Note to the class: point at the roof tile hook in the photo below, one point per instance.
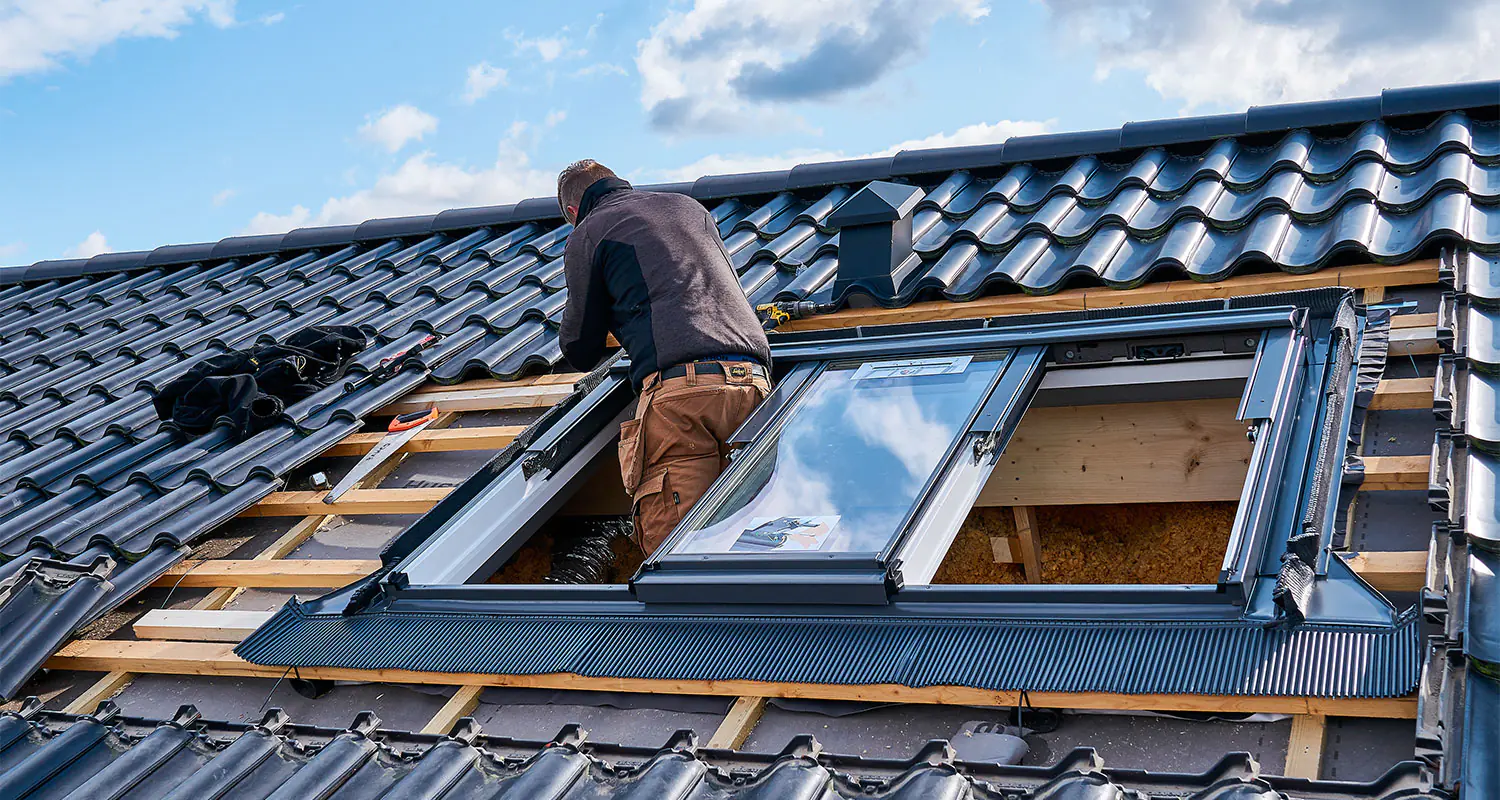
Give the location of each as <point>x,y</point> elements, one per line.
<point>571,735</point>
<point>186,717</point>
<point>30,708</point>
<point>365,723</point>
<point>465,731</point>
<point>105,713</point>
<point>803,745</point>
<point>274,721</point>
<point>683,740</point>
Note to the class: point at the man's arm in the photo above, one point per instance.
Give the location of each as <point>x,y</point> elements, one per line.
<point>585,319</point>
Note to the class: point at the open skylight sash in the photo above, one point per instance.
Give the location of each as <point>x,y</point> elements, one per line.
<point>847,463</point>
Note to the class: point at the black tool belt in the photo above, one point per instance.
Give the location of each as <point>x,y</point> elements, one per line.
<point>710,368</point>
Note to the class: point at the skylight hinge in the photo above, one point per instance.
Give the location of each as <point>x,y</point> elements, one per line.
<point>987,445</point>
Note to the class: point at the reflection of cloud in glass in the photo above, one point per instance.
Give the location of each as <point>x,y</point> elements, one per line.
<point>858,450</point>
<point>797,488</point>
<point>893,420</point>
<point>793,488</point>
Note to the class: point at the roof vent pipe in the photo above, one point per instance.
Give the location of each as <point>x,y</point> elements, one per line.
<point>875,239</point>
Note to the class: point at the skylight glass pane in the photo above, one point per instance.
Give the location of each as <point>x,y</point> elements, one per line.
<point>849,461</point>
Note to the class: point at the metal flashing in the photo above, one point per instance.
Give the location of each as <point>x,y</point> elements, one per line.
<point>944,649</point>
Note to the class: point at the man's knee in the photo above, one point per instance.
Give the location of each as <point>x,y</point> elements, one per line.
<point>666,495</point>
<point>669,487</point>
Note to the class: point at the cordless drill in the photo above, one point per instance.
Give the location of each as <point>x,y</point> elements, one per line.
<point>773,315</point>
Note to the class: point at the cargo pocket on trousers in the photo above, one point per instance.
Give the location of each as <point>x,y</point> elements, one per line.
<point>630,455</point>
<point>655,511</point>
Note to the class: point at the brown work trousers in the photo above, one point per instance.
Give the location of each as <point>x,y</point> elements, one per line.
<point>675,446</point>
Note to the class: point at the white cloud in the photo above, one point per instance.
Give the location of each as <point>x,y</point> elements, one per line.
<point>266,222</point>
<point>92,245</point>
<point>425,185</point>
<point>1244,52</point>
<point>223,196</point>
<point>548,48</point>
<point>394,127</point>
<point>483,79</point>
<point>979,133</point>
<point>37,35</point>
<point>729,164</point>
<point>12,249</point>
<point>722,65</point>
<point>272,19</point>
<point>599,70</point>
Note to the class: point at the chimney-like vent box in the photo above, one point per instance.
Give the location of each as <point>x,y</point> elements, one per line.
<point>875,238</point>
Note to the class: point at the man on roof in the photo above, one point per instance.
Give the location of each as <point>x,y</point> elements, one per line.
<point>650,268</point>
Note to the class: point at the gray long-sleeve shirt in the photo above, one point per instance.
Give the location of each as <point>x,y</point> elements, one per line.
<point>650,268</point>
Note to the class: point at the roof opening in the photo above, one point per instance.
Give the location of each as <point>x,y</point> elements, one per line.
<point>1093,490</point>
<point>1015,464</point>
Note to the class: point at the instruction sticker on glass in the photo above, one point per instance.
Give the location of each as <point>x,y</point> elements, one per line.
<point>912,368</point>
<point>784,534</point>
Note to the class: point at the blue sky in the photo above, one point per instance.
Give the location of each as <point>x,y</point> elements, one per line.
<point>127,124</point>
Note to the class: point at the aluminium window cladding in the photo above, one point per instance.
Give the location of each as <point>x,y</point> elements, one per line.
<point>856,473</point>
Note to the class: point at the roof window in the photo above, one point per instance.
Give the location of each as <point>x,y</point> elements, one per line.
<point>911,466</point>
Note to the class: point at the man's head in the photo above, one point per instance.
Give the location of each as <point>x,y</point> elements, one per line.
<point>574,180</point>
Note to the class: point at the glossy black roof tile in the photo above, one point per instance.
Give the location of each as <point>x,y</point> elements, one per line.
<point>1427,99</point>
<point>237,246</point>
<point>318,237</point>
<point>1465,480</point>
<point>859,170</point>
<point>106,755</point>
<point>1260,119</point>
<point>715,187</point>
<point>1166,132</point>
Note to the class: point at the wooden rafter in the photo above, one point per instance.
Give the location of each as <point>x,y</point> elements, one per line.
<point>353,503</point>
<point>1391,571</point>
<point>460,398</point>
<point>460,705</point>
<point>432,441</point>
<point>1162,452</point>
<point>220,597</point>
<point>1384,473</point>
<point>738,723</point>
<point>1404,321</point>
<point>199,626</point>
<point>1354,277</point>
<point>1402,393</point>
<point>301,573</point>
<point>1304,748</point>
<point>1029,545</point>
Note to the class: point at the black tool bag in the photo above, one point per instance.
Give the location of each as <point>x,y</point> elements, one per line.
<point>247,390</point>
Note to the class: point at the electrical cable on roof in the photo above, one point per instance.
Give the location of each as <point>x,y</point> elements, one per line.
<point>273,688</point>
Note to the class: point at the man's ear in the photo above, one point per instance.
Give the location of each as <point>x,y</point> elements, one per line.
<point>572,214</point>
